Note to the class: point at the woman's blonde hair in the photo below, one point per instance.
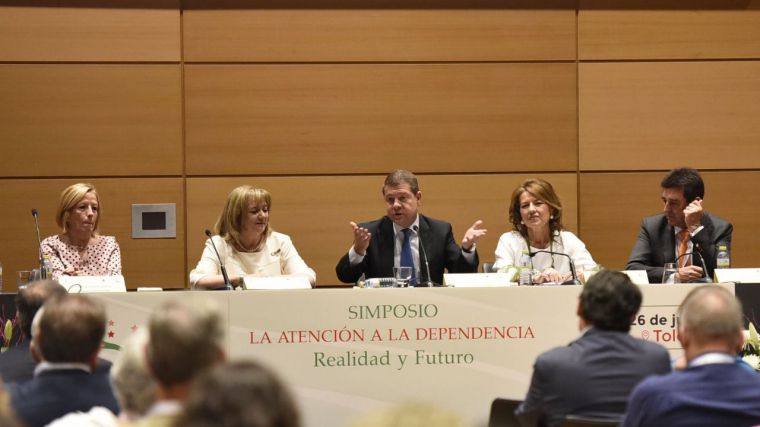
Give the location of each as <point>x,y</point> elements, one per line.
<point>70,197</point>
<point>228,224</point>
<point>543,191</point>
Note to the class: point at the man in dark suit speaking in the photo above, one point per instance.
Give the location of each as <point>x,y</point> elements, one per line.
<point>683,232</point>
<point>594,375</point>
<point>713,390</point>
<point>404,237</point>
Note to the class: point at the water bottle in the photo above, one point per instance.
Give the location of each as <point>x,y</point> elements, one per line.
<point>723,258</point>
<point>526,272</point>
<point>47,268</point>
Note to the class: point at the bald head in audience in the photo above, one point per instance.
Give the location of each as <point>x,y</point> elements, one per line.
<point>710,320</point>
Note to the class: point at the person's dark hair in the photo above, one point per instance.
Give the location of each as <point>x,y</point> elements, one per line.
<point>401,176</point>
<point>184,340</point>
<point>609,301</point>
<point>688,180</point>
<point>239,394</point>
<point>70,328</point>
<point>30,299</point>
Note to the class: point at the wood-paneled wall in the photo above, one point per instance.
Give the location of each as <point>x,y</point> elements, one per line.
<point>179,102</point>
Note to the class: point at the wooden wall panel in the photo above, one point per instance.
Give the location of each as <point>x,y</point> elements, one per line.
<point>293,119</point>
<point>613,204</point>
<point>635,116</point>
<point>145,262</point>
<point>51,34</point>
<point>378,35</point>
<point>315,211</point>
<point>668,34</point>
<point>67,120</point>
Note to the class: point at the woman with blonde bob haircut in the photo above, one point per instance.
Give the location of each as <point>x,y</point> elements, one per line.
<point>79,250</point>
<point>535,212</point>
<point>247,244</point>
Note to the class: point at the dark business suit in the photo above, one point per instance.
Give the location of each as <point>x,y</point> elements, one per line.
<point>437,238</point>
<point>53,394</point>
<point>709,395</point>
<point>17,364</point>
<point>656,245</point>
<point>592,376</point>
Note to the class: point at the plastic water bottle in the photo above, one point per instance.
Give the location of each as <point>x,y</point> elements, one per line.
<point>47,268</point>
<point>723,258</point>
<point>526,272</point>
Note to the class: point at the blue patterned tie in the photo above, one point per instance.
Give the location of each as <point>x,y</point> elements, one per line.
<point>406,256</point>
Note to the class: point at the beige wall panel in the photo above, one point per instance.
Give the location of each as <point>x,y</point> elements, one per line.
<point>668,34</point>
<point>315,211</point>
<point>378,35</point>
<point>90,33</point>
<point>613,204</point>
<point>635,116</point>
<point>69,120</point>
<point>273,119</point>
<point>151,262</point>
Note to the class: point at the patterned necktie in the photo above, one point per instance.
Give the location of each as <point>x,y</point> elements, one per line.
<point>406,256</point>
<point>683,261</point>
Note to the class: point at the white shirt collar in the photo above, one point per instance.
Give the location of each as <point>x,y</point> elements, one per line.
<point>712,359</point>
<point>50,366</point>
<point>165,407</point>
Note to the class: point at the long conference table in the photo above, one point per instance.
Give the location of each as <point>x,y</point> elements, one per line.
<point>346,352</point>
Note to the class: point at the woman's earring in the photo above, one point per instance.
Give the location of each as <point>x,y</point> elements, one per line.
<point>522,222</point>
<point>551,217</point>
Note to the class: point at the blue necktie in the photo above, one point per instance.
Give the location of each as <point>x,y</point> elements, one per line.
<point>406,256</point>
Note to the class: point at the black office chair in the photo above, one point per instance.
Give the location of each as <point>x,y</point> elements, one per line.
<point>584,421</point>
<point>503,414</point>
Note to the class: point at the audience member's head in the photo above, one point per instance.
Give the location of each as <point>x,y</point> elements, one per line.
<point>609,301</point>
<point>31,298</point>
<point>132,384</point>
<point>239,394</point>
<point>710,319</point>
<point>184,340</point>
<point>411,415</point>
<point>69,329</point>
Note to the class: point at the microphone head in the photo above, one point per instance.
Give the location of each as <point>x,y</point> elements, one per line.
<point>415,228</point>
<point>208,233</point>
<point>34,212</point>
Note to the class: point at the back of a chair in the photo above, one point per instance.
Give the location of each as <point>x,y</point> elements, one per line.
<point>503,413</point>
<point>583,421</point>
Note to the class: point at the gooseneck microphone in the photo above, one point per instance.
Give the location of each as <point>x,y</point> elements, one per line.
<point>429,283</point>
<point>227,284</point>
<point>574,280</point>
<point>43,272</point>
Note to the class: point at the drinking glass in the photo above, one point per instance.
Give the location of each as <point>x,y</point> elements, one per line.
<point>402,274</point>
<point>669,273</point>
<point>23,277</point>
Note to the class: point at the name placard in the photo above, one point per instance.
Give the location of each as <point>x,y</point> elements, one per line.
<point>92,284</point>
<point>276,282</point>
<point>737,275</point>
<point>638,277</point>
<point>477,280</point>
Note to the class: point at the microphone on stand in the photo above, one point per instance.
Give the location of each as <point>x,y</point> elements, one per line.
<point>227,284</point>
<point>43,270</point>
<point>574,280</point>
<point>429,283</point>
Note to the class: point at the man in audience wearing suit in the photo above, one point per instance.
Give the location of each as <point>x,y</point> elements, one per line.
<point>184,340</point>
<point>683,231</point>
<point>66,339</point>
<point>403,237</point>
<point>17,364</point>
<point>594,375</point>
<point>713,390</point>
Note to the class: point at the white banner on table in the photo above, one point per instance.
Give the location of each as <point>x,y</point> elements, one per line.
<point>348,351</point>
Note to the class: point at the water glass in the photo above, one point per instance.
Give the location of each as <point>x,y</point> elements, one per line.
<point>23,277</point>
<point>669,273</point>
<point>402,275</point>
